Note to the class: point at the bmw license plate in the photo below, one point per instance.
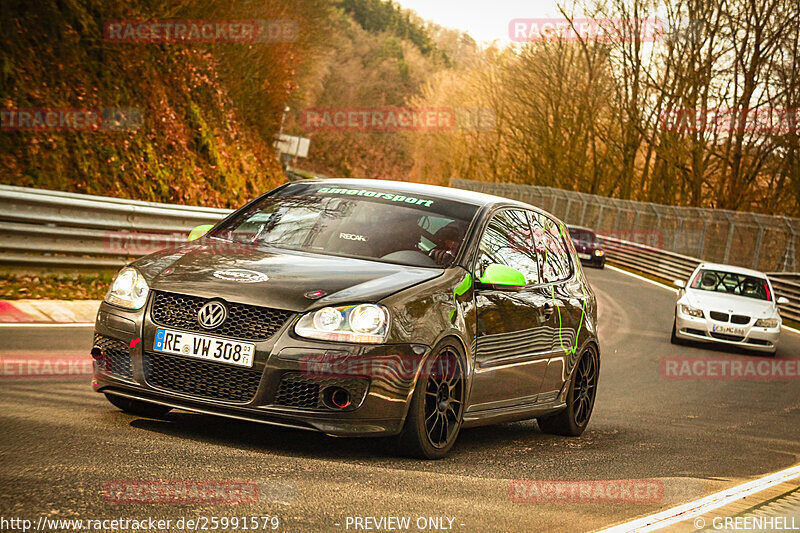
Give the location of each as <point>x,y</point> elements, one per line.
<point>728,330</point>
<point>204,347</point>
<point>584,256</point>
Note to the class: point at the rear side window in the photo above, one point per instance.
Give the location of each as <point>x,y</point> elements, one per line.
<point>550,248</point>
<point>507,241</point>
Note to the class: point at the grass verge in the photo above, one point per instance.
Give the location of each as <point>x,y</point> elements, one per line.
<point>54,286</point>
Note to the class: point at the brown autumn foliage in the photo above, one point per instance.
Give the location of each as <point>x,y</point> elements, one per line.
<point>669,122</point>
<point>209,111</point>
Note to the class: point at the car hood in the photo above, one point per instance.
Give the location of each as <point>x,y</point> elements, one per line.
<point>729,303</point>
<point>200,270</point>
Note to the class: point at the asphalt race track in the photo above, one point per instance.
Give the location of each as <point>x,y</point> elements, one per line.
<point>62,443</point>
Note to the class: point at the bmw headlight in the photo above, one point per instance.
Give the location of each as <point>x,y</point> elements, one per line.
<point>365,323</point>
<point>767,323</point>
<point>598,253</point>
<point>129,289</point>
<point>691,311</point>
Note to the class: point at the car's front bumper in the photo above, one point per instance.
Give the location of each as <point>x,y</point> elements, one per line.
<point>592,259</point>
<point>389,372</point>
<point>702,329</point>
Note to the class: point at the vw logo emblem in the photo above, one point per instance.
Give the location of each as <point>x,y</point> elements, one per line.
<point>212,315</point>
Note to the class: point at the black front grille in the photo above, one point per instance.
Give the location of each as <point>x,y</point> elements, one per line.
<point>296,390</point>
<point>695,331</point>
<point>116,359</point>
<point>726,337</point>
<point>760,342</point>
<point>740,319</point>
<point>201,378</point>
<point>244,321</point>
<point>720,317</point>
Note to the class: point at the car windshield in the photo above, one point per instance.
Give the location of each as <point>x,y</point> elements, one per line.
<point>366,223</point>
<point>730,283</point>
<point>582,236</point>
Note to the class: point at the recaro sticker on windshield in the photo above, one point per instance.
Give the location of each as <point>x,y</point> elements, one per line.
<point>376,194</point>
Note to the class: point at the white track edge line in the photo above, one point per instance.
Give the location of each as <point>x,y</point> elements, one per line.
<point>674,291</point>
<point>704,505</point>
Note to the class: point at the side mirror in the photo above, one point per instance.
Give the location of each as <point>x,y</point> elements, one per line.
<point>679,283</point>
<point>502,278</point>
<point>199,231</point>
<point>783,300</point>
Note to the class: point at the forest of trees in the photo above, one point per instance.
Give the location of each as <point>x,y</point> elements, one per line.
<point>613,115</point>
<point>683,120</point>
<point>209,111</point>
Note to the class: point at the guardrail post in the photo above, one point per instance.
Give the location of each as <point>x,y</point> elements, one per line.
<point>583,211</point>
<point>702,244</point>
<point>757,251</point>
<point>730,237</point>
<point>790,248</point>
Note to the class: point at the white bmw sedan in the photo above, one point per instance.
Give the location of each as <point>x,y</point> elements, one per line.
<point>728,305</point>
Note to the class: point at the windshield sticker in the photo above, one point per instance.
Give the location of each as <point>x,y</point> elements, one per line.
<point>353,237</point>
<point>376,194</point>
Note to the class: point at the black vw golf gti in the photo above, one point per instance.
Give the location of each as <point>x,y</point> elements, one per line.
<point>359,308</point>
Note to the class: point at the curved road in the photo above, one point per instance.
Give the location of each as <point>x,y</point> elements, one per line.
<point>61,442</point>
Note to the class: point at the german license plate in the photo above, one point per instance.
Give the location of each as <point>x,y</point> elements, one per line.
<point>728,330</point>
<point>584,256</point>
<point>204,347</point>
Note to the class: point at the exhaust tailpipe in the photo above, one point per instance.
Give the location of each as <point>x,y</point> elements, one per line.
<point>336,398</point>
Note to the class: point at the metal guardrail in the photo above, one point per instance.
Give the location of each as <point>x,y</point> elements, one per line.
<point>656,262</point>
<point>52,230</point>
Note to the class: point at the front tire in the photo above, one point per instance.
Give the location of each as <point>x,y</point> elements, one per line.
<point>136,407</point>
<point>674,337</point>
<point>437,406</point>
<point>572,421</point>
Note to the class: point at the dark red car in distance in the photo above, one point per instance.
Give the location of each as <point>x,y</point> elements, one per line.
<point>590,250</point>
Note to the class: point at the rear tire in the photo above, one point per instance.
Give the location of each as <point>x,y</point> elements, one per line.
<point>437,406</point>
<point>136,407</point>
<point>572,421</point>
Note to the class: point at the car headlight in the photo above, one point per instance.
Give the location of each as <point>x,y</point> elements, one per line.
<point>691,311</point>
<point>129,289</point>
<point>767,323</point>
<point>598,253</point>
<point>366,323</point>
